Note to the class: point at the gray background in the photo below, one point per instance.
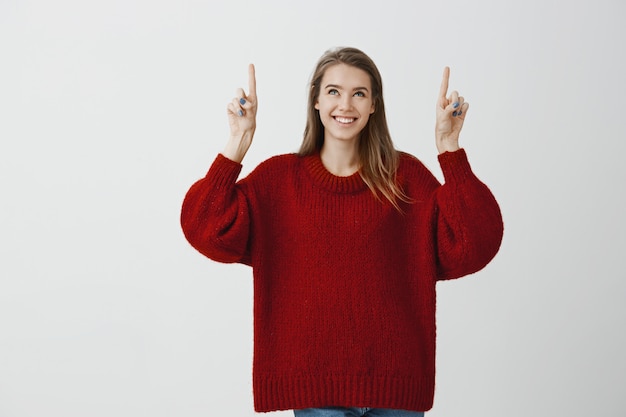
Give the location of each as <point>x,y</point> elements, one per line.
<point>109,110</point>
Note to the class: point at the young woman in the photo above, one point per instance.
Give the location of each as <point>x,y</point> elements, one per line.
<point>346,239</point>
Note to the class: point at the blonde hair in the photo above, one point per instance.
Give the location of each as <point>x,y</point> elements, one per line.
<point>377,155</point>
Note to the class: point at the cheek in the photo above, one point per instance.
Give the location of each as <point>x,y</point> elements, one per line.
<point>367,109</point>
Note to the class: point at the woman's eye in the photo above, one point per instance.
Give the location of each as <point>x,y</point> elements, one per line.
<point>359,94</point>
<point>333,92</point>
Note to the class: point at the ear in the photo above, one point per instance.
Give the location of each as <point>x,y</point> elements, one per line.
<point>373,109</point>
<point>317,105</point>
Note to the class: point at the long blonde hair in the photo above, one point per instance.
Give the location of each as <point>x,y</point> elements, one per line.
<point>377,156</point>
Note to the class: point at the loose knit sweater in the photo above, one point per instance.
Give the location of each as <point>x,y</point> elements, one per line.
<point>344,283</point>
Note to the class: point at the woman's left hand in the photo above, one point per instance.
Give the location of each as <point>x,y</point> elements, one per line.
<point>451,112</point>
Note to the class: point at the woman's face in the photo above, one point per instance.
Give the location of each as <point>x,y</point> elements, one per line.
<point>345,102</point>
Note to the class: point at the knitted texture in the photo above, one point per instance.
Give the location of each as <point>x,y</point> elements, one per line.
<point>344,283</point>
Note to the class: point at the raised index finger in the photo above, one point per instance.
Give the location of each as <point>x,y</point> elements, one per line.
<point>251,81</point>
<point>444,82</point>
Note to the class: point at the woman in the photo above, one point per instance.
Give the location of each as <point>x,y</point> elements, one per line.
<point>347,240</point>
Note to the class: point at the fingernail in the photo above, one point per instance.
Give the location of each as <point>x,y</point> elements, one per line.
<point>455,113</point>
<point>240,112</point>
<point>242,101</point>
<point>460,112</point>
<point>456,104</point>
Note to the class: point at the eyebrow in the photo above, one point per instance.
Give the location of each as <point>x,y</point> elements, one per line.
<point>339,87</point>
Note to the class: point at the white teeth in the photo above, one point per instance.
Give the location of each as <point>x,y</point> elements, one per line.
<point>344,119</point>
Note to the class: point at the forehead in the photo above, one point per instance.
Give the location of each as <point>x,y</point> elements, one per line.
<point>346,76</point>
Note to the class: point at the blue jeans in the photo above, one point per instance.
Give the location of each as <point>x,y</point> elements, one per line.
<point>355,412</point>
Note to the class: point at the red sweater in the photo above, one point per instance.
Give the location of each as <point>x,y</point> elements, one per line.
<point>344,283</point>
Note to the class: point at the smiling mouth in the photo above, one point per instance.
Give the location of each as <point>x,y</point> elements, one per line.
<point>344,120</point>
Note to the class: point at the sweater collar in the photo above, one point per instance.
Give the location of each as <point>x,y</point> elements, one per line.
<point>324,178</point>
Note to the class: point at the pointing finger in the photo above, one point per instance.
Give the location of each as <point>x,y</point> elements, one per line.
<point>444,83</point>
<point>251,81</point>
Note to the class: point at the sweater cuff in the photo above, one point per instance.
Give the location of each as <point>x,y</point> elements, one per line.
<point>223,172</point>
<point>455,166</point>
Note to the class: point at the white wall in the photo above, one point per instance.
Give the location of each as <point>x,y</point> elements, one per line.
<point>109,110</point>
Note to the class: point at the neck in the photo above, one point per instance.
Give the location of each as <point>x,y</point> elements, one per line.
<point>340,158</point>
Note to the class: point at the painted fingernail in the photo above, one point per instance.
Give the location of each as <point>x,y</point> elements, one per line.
<point>460,112</point>
<point>242,101</point>
<point>456,104</point>
<point>455,113</point>
<point>240,112</point>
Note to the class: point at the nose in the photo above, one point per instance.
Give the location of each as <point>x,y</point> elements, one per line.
<point>346,102</point>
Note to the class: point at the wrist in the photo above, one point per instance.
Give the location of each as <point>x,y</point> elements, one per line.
<point>443,147</point>
<point>237,146</point>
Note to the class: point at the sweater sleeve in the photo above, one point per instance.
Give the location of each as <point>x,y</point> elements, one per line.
<point>215,214</point>
<point>468,221</point>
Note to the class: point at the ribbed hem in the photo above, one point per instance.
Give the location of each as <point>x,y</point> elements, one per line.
<point>224,172</point>
<point>324,178</point>
<point>455,166</point>
<point>273,393</point>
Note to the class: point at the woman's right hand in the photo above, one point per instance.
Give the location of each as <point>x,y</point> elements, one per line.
<point>241,113</point>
